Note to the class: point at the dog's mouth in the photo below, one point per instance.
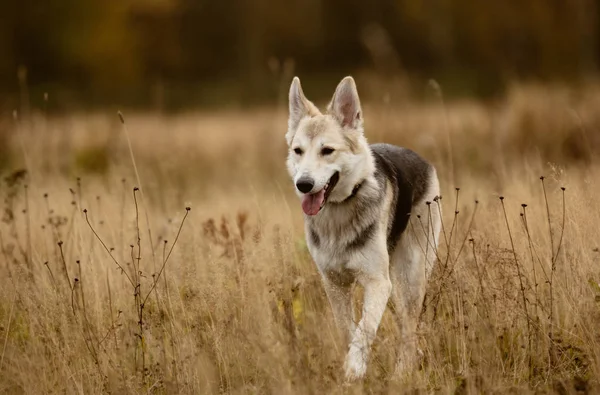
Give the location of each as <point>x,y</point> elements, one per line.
<point>312,203</point>
<point>330,185</point>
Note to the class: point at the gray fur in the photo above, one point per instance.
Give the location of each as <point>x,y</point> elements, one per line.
<point>409,174</point>
<point>362,237</point>
<point>314,237</point>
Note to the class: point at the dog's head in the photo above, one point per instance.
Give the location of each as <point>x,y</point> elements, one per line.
<point>328,153</point>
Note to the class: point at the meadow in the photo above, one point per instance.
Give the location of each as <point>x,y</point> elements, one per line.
<point>156,253</point>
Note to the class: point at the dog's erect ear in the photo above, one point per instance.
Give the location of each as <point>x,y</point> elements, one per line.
<point>345,105</point>
<point>298,104</point>
<point>300,107</point>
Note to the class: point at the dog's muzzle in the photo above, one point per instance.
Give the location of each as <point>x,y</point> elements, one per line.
<point>312,203</point>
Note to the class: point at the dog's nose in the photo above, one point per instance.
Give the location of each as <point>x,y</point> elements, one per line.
<point>305,185</point>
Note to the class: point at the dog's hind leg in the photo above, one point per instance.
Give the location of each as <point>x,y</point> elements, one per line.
<point>409,285</point>
<point>411,265</point>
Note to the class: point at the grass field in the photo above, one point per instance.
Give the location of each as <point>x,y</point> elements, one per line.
<point>200,280</point>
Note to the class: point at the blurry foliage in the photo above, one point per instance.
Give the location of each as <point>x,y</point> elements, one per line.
<point>94,159</point>
<point>5,149</point>
<point>165,51</point>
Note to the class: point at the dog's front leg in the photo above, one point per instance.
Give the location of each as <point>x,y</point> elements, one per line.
<point>339,294</point>
<point>377,290</point>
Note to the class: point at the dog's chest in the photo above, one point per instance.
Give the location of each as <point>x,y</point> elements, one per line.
<point>335,263</point>
<point>335,245</point>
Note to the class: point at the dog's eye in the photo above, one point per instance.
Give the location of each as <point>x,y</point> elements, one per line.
<point>327,151</point>
<point>298,151</point>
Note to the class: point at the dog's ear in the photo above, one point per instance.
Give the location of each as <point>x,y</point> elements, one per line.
<point>345,105</point>
<point>300,107</point>
<point>298,104</point>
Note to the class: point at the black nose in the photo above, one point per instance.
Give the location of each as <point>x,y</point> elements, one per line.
<point>305,185</point>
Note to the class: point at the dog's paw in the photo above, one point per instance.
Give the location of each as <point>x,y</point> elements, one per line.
<point>355,366</point>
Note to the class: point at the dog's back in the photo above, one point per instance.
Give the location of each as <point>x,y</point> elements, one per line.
<point>410,175</point>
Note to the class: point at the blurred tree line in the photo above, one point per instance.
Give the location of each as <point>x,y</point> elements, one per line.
<point>140,51</point>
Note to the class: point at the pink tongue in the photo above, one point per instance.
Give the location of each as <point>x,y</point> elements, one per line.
<point>311,204</point>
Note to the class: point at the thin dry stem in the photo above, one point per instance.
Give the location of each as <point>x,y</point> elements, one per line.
<point>522,289</point>
<point>108,250</point>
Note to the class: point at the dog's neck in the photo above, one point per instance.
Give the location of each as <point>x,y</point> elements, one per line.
<point>362,177</point>
<point>354,191</point>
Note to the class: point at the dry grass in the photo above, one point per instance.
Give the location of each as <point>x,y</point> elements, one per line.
<point>239,307</point>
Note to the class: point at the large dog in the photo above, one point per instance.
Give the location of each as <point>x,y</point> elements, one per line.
<point>361,204</point>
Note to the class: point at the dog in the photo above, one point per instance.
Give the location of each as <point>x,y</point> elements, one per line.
<point>369,219</point>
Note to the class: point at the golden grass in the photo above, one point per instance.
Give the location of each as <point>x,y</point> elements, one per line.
<point>239,307</point>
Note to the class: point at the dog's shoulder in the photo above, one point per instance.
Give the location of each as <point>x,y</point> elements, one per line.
<point>410,177</point>
<point>407,170</point>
